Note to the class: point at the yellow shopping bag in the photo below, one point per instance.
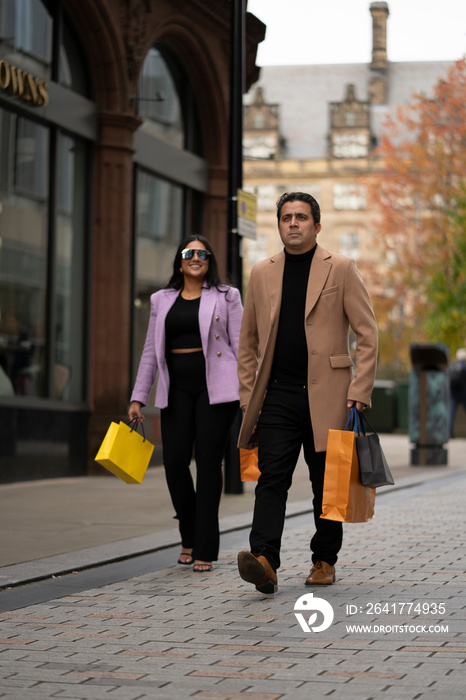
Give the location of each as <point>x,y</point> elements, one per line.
<point>125,453</point>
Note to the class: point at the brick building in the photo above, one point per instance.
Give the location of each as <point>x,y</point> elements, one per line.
<point>114,144</point>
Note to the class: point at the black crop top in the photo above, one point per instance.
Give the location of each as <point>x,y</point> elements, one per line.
<point>182,325</point>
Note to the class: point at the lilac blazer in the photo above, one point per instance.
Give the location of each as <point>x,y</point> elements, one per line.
<point>219,323</point>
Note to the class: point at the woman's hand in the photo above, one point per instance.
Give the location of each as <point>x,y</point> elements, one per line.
<point>134,411</point>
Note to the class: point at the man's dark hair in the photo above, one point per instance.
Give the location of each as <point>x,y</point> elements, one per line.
<point>299,197</point>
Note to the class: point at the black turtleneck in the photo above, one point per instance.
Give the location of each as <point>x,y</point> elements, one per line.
<point>290,360</point>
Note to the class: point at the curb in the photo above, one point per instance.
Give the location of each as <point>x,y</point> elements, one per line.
<point>100,555</point>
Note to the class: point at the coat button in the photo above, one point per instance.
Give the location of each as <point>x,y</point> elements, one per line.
<point>217,336</point>
<point>219,354</point>
<point>217,318</point>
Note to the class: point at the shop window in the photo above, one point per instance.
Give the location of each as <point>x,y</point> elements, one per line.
<point>166,101</point>
<point>72,67</point>
<point>164,211</point>
<point>68,313</point>
<point>26,26</point>
<point>159,207</point>
<point>41,296</point>
<point>31,159</point>
<point>159,230</point>
<point>23,253</point>
<point>158,100</point>
<point>26,35</point>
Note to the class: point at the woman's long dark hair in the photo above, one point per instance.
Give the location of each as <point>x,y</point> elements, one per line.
<point>212,278</point>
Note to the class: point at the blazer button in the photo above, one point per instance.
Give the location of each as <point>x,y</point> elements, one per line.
<point>219,354</point>
<point>217,336</point>
<point>217,318</point>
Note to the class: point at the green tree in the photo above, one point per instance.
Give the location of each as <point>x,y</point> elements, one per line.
<point>420,197</point>
<point>446,289</point>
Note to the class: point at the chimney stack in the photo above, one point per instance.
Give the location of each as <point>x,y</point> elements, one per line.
<point>379,12</point>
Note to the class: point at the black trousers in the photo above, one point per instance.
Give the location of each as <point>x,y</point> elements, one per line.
<point>190,421</point>
<point>284,426</point>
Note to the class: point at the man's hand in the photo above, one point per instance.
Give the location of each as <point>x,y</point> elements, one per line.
<point>243,408</point>
<point>359,406</point>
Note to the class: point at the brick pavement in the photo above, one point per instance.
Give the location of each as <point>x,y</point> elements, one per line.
<point>59,525</point>
<point>174,634</point>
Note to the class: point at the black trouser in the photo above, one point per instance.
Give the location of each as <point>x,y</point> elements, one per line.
<point>284,426</point>
<point>190,420</point>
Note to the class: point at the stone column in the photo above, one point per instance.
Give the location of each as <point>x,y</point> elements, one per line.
<point>110,341</point>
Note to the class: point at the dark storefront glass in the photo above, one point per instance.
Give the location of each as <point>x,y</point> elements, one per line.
<point>159,104</point>
<point>44,225</point>
<point>23,253</point>
<point>164,211</point>
<point>26,30</point>
<point>41,346</point>
<point>68,315</point>
<point>159,227</point>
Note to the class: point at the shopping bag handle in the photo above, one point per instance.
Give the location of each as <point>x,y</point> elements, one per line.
<point>363,421</point>
<point>355,422</point>
<point>135,427</point>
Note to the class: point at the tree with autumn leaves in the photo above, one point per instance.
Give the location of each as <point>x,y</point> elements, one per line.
<point>420,197</point>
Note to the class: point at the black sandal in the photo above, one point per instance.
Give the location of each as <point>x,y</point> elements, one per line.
<point>186,563</point>
<point>202,568</point>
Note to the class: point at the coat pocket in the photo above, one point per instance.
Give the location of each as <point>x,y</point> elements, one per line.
<point>329,290</point>
<point>340,361</point>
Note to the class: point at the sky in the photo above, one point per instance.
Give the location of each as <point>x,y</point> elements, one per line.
<point>306,32</point>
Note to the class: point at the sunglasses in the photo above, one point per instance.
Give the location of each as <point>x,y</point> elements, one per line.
<point>188,254</point>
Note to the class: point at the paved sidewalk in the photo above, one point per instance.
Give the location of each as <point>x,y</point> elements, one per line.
<point>172,634</point>
<point>61,525</point>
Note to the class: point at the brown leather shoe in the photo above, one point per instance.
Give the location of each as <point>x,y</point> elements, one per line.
<point>322,574</point>
<point>258,571</point>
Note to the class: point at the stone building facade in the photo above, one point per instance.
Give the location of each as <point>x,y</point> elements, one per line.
<point>316,128</point>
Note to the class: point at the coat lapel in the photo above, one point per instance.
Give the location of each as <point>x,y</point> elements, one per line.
<point>206,310</point>
<point>320,269</point>
<point>274,281</point>
<point>169,296</point>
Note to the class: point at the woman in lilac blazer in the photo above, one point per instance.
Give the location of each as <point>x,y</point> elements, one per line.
<point>192,346</point>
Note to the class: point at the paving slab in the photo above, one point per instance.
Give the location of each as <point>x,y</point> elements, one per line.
<point>169,633</point>
<point>61,525</point>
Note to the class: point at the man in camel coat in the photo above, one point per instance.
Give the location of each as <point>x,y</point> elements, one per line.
<point>297,381</point>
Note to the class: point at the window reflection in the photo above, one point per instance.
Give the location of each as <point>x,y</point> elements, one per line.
<point>36,357</point>
<point>72,71</point>
<point>26,27</point>
<point>69,294</point>
<point>159,207</point>
<point>31,155</point>
<point>159,104</point>
<point>23,260</point>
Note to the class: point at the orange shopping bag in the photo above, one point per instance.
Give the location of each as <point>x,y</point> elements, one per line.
<point>345,498</point>
<point>248,464</point>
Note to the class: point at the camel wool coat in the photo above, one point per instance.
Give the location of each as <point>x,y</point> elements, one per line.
<point>336,300</point>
